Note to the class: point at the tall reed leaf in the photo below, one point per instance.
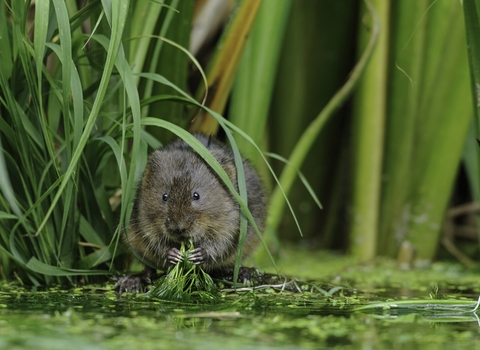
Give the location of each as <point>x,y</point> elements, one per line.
<point>223,66</point>
<point>368,121</point>
<point>249,107</point>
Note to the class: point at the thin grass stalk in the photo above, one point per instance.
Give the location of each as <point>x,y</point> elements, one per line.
<point>368,123</point>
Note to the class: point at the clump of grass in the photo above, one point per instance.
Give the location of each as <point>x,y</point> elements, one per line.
<point>185,282</point>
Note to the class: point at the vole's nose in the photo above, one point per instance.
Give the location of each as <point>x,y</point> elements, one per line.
<point>179,231</point>
<point>177,228</point>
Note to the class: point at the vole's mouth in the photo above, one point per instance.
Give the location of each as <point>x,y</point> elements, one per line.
<point>179,236</point>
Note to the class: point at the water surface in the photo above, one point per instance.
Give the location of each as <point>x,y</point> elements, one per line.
<point>94,317</point>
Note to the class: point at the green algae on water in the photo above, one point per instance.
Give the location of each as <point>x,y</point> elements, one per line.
<point>185,282</point>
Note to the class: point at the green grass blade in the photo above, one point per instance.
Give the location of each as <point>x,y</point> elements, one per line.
<point>6,59</point>
<point>44,269</point>
<point>6,185</point>
<point>42,10</point>
<point>300,176</point>
<point>96,258</point>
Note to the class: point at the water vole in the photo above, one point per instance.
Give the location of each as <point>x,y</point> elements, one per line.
<point>181,198</point>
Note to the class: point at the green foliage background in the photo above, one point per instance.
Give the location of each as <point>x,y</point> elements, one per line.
<point>87,92</point>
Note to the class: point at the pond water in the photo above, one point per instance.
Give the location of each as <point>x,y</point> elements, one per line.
<point>94,317</point>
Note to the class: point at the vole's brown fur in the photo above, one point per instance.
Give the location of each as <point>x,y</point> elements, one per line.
<point>181,198</point>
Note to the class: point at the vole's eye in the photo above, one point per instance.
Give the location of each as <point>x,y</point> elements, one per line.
<point>165,197</point>
<point>195,196</point>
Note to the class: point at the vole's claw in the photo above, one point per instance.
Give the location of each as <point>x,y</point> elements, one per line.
<point>174,256</point>
<point>129,284</point>
<point>197,256</point>
<point>135,282</point>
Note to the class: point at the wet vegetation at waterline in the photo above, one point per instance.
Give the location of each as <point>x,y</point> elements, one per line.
<point>428,312</point>
<point>374,116</point>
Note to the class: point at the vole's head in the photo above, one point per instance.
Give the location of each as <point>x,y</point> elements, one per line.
<point>182,198</point>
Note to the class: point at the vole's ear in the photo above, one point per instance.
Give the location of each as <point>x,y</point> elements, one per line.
<point>231,172</point>
<point>206,140</point>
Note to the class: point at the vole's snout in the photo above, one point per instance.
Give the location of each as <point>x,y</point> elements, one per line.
<point>178,231</point>
<point>177,228</point>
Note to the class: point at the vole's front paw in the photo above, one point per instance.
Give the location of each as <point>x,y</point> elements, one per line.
<point>198,256</point>
<point>135,282</point>
<point>174,256</point>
